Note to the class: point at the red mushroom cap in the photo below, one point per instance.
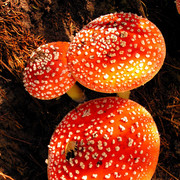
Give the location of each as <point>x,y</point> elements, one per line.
<point>116,52</point>
<point>178,5</point>
<point>106,138</point>
<point>47,75</point>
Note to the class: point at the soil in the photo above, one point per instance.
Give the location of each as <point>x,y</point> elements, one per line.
<point>26,123</point>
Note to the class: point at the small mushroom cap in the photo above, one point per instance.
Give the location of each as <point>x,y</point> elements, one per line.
<point>106,138</point>
<point>116,52</point>
<point>178,5</point>
<point>47,76</point>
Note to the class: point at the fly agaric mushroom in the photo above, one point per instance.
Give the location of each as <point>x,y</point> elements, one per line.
<point>116,53</point>
<point>105,138</point>
<point>47,75</point>
<point>178,5</point>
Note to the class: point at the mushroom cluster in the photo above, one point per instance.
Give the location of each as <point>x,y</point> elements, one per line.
<point>105,138</point>
<point>116,53</point>
<point>47,76</point>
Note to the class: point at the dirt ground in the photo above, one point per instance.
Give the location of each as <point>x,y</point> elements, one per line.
<point>26,123</point>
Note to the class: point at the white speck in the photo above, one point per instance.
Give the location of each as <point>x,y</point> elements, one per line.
<point>112,69</point>
<point>53,74</point>
<point>130,142</point>
<point>141,65</point>
<point>106,76</point>
<point>123,166</point>
<point>76,171</point>
<point>124,119</point>
<point>137,160</point>
<point>149,63</point>
<point>137,71</point>
<point>79,53</point>
<point>100,112</point>
<point>94,175</point>
<point>56,55</point>
<point>117,148</point>
<point>87,64</point>
<point>122,157</point>
<point>84,177</point>
<point>119,138</point>
<point>147,55</point>
<point>111,121</point>
<point>107,176</point>
<point>122,127</point>
<point>137,55</point>
<point>132,129</point>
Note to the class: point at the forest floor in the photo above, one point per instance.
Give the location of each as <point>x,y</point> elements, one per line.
<point>26,123</point>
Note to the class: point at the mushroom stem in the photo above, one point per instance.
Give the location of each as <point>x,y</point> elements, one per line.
<point>76,93</point>
<point>124,94</point>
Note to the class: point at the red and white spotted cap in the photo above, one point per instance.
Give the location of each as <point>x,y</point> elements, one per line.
<point>116,52</point>
<point>178,5</point>
<point>47,76</point>
<point>106,138</point>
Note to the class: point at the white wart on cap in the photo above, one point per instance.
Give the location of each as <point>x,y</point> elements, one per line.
<point>106,138</point>
<point>47,76</point>
<point>116,52</point>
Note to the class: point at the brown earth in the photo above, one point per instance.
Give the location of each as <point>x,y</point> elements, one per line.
<point>26,124</point>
